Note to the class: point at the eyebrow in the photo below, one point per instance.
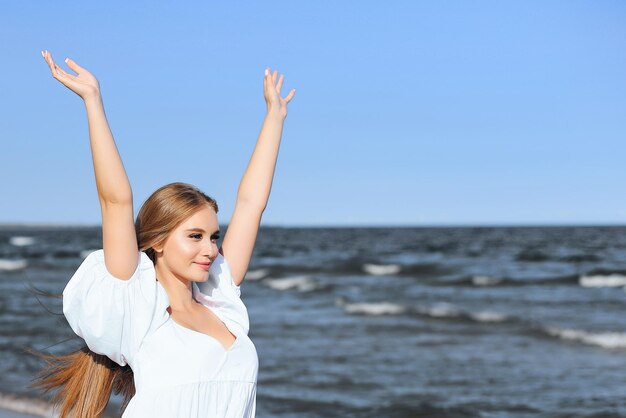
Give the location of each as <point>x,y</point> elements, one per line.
<point>202,230</point>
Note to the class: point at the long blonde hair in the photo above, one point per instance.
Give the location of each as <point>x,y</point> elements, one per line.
<point>84,380</point>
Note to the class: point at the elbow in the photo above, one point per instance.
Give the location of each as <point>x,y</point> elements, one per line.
<point>255,204</point>
<point>116,200</point>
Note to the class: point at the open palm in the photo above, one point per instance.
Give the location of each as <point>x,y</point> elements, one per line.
<point>83,84</point>
<point>272,92</point>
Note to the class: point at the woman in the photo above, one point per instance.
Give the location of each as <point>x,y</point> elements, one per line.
<point>159,306</point>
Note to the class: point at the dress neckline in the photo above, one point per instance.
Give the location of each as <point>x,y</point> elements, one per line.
<point>194,292</point>
<point>202,334</point>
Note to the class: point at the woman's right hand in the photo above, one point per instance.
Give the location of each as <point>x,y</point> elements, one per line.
<point>83,84</point>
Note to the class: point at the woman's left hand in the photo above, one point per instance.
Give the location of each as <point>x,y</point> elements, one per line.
<point>272,93</point>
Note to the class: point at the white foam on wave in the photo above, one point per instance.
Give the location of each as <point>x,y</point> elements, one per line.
<point>487,316</point>
<point>31,406</point>
<point>610,280</point>
<point>300,283</point>
<point>379,308</point>
<point>611,340</point>
<point>12,265</point>
<point>85,253</point>
<point>446,310</point>
<point>440,310</point>
<point>21,241</point>
<point>485,281</point>
<point>256,274</point>
<point>381,269</point>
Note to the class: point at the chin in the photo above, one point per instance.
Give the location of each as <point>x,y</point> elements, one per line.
<point>203,279</point>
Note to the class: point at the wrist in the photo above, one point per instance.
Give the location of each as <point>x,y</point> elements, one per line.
<point>92,97</point>
<point>275,113</point>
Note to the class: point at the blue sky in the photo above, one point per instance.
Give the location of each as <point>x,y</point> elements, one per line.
<point>406,113</point>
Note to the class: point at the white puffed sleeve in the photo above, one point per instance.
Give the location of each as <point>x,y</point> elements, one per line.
<point>221,292</point>
<point>112,315</point>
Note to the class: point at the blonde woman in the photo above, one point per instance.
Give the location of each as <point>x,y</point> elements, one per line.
<point>159,306</point>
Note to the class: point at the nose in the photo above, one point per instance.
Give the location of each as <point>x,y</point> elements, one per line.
<point>210,249</point>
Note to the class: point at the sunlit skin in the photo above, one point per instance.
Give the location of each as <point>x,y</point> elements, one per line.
<point>179,259</point>
<point>178,264</point>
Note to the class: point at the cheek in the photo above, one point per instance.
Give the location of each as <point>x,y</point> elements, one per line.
<point>181,249</point>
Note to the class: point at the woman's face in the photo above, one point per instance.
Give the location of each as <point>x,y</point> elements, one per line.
<point>190,249</point>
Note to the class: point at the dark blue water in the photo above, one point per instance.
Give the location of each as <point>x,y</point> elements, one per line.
<point>386,322</point>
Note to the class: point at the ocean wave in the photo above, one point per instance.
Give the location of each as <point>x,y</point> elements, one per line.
<point>485,281</point>
<point>21,241</point>
<point>64,254</point>
<point>424,270</point>
<point>446,310</point>
<point>532,255</point>
<point>611,280</point>
<point>31,406</point>
<point>542,281</point>
<point>85,253</point>
<point>300,283</point>
<point>438,310</point>
<point>257,274</point>
<point>381,269</point>
<point>12,265</point>
<point>380,308</point>
<point>610,340</point>
<point>354,266</point>
<point>579,258</point>
<point>487,316</point>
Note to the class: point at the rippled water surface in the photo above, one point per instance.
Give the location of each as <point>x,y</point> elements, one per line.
<point>386,322</point>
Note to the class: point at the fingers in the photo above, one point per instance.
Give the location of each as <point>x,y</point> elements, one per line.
<point>73,66</point>
<point>280,83</point>
<point>64,74</point>
<point>272,76</point>
<point>47,58</point>
<point>57,72</point>
<point>290,95</point>
<point>53,67</point>
<point>268,75</point>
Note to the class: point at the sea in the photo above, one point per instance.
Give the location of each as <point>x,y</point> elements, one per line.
<point>380,322</point>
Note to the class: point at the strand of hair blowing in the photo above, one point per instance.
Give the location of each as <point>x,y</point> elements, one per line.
<point>84,380</point>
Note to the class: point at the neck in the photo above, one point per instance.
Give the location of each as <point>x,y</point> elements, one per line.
<point>178,289</point>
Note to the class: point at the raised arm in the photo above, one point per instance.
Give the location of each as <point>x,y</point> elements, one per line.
<point>255,186</point>
<point>114,191</point>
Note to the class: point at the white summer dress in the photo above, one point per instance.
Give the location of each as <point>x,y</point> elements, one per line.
<point>178,372</point>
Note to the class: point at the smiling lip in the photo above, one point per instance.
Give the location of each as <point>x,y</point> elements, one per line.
<point>204,266</point>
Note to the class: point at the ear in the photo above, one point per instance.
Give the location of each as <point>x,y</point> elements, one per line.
<point>158,248</point>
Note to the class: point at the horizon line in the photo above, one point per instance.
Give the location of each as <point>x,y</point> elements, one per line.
<point>356,225</point>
